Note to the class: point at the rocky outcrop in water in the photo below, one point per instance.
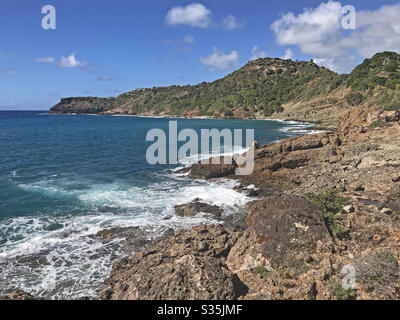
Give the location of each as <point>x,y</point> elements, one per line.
<point>195,207</point>
<point>133,238</point>
<point>225,167</point>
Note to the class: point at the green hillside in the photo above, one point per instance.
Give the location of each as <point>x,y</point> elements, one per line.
<point>262,88</point>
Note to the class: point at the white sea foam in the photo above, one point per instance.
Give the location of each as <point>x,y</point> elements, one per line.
<point>199,157</point>
<point>73,264</point>
<point>297,128</point>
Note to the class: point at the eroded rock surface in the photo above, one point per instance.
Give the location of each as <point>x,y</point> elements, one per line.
<point>188,265</point>
<point>195,207</point>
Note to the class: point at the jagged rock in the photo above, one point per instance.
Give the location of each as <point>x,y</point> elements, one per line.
<point>17,295</point>
<point>294,160</point>
<point>186,278</point>
<point>193,208</point>
<point>134,237</point>
<point>308,142</point>
<point>210,170</point>
<point>188,265</point>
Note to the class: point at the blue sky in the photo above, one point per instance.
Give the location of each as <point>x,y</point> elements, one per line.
<point>103,48</point>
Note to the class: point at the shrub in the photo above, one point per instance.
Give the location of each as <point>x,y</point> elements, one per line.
<point>343,294</point>
<point>354,98</point>
<point>261,271</point>
<point>331,203</point>
<point>377,124</point>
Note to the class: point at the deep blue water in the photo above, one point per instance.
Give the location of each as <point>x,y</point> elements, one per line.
<point>65,177</point>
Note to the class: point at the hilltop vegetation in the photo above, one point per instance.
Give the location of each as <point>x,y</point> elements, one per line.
<point>377,80</point>
<point>262,88</point>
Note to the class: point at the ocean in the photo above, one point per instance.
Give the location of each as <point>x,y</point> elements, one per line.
<point>63,178</point>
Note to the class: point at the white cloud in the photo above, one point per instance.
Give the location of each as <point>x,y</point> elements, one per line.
<point>11,72</point>
<point>70,62</point>
<point>313,25</point>
<point>45,60</point>
<point>230,23</point>
<point>218,60</point>
<point>288,54</point>
<point>188,40</point>
<point>256,53</point>
<point>65,62</point>
<point>106,78</point>
<point>195,15</point>
<point>318,33</point>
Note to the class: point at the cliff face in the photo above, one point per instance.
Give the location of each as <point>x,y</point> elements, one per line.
<point>263,88</point>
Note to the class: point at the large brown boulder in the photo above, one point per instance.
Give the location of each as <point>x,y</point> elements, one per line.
<point>283,231</point>
<point>285,252</point>
<point>188,265</point>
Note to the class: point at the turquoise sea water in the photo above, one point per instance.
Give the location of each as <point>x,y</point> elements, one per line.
<point>65,177</point>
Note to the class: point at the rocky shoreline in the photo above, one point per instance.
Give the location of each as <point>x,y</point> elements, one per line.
<point>327,202</point>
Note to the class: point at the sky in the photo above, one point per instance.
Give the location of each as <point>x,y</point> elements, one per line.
<point>104,48</point>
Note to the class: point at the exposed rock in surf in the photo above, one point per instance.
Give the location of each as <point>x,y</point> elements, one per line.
<point>134,238</point>
<point>195,207</point>
<point>210,170</point>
